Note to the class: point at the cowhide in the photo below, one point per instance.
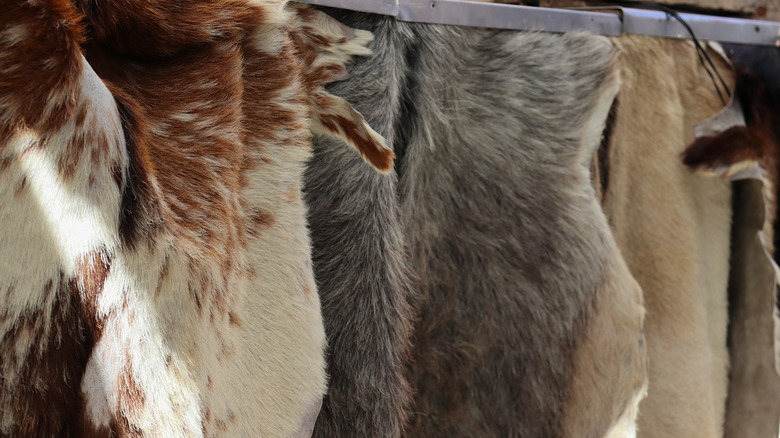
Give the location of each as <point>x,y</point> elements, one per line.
<point>156,276</point>
<point>360,263</point>
<point>753,406</point>
<point>529,322</point>
<point>673,229</point>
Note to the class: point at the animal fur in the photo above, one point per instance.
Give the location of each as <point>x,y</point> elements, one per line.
<point>360,263</point>
<point>673,229</point>
<point>156,277</point>
<point>753,407</point>
<point>529,321</point>
<point>757,87</point>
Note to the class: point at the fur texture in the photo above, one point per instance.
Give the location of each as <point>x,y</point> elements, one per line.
<point>359,259</point>
<point>758,90</point>
<point>156,277</point>
<point>753,405</point>
<point>529,321</point>
<point>753,408</point>
<point>673,229</point>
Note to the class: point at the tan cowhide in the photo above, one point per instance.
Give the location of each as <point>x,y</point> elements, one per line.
<point>746,145</point>
<point>674,231</point>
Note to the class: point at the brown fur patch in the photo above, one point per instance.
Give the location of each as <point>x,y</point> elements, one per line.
<point>46,402</point>
<point>165,27</point>
<point>234,320</point>
<point>381,158</point>
<point>50,46</point>
<point>259,220</point>
<point>20,187</point>
<point>130,400</point>
<point>191,116</point>
<point>5,163</point>
<point>266,75</point>
<point>92,271</point>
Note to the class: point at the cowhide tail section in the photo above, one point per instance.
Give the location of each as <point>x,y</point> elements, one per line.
<point>61,171</point>
<point>753,405</point>
<point>673,229</point>
<point>360,263</point>
<point>530,323</point>
<point>326,45</point>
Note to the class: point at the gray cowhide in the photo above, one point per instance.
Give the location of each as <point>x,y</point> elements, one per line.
<point>528,322</point>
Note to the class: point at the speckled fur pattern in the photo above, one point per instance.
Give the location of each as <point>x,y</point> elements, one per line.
<point>156,275</point>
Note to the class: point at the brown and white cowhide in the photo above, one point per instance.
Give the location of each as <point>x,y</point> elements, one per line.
<point>753,407</point>
<point>155,276</point>
<point>673,229</point>
<point>529,322</point>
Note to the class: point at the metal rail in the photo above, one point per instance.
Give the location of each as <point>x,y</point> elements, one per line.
<point>624,20</point>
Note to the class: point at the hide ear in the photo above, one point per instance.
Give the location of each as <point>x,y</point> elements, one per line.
<point>738,137</point>
<point>725,154</point>
<point>334,117</point>
<point>335,42</point>
<point>325,45</point>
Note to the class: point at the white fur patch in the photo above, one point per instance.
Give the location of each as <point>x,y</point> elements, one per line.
<point>625,427</point>
<point>50,222</point>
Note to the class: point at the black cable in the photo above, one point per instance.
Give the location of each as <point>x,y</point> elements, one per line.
<point>704,57</point>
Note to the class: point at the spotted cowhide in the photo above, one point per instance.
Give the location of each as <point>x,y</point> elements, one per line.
<point>155,271</point>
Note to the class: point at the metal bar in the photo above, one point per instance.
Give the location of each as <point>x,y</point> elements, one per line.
<point>628,20</point>
<point>705,27</point>
<point>381,7</point>
<point>499,16</point>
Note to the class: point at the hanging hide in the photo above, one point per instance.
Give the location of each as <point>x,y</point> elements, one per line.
<point>673,229</point>
<point>155,276</point>
<point>529,321</point>
<point>753,407</point>
<point>360,263</point>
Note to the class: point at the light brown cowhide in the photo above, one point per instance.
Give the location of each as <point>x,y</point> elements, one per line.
<point>673,229</point>
<point>748,147</point>
<point>155,271</point>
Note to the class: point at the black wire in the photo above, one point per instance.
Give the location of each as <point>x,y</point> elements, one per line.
<point>704,57</point>
<point>702,53</point>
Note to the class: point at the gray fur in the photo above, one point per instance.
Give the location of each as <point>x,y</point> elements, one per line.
<point>502,223</point>
<point>359,261</point>
<point>502,228</point>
